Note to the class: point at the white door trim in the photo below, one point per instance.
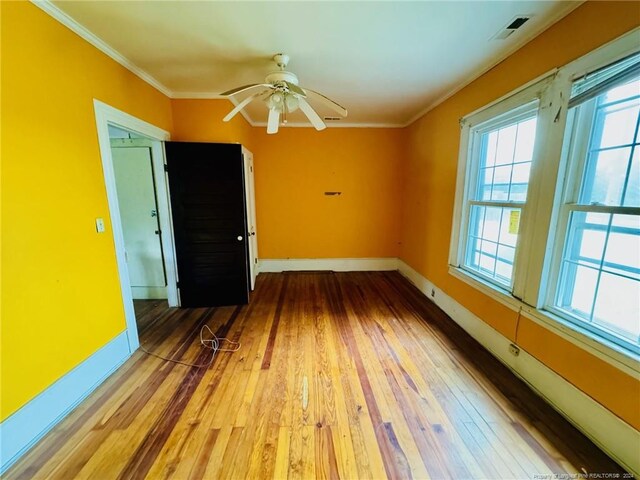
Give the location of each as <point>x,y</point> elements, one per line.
<point>105,116</point>
<point>250,203</point>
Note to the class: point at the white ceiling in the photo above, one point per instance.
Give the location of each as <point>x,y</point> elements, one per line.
<point>386,62</point>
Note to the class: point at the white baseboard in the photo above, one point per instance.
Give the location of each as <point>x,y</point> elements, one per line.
<point>148,293</point>
<point>614,436</point>
<point>329,264</point>
<point>20,431</point>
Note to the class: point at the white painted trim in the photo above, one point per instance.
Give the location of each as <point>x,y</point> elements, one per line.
<point>55,12</point>
<point>614,436</point>
<point>100,44</point>
<point>610,352</point>
<point>617,49</point>
<point>20,431</point>
<point>106,115</point>
<point>534,271</point>
<point>199,96</point>
<point>328,264</point>
<point>250,207</point>
<point>165,219</point>
<point>338,124</point>
<point>129,122</point>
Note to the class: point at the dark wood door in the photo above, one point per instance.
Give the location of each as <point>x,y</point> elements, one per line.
<point>206,182</point>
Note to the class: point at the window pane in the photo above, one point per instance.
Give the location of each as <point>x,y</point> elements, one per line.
<point>501,182</point>
<point>526,140</point>
<point>612,172</point>
<point>493,232</point>
<point>579,291</point>
<point>623,247</point>
<point>605,186</point>
<point>505,162</point>
<point>600,272</point>
<point>622,92</point>
<point>616,306</point>
<point>632,188</point>
<point>618,123</point>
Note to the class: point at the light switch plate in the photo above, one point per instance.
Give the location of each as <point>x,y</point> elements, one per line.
<point>99,225</point>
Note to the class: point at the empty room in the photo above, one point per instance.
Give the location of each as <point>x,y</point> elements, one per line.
<point>320,239</point>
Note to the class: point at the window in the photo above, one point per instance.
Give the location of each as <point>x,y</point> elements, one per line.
<point>547,213</point>
<point>598,283</point>
<point>500,155</point>
<point>503,152</point>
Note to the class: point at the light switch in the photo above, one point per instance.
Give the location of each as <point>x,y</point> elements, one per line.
<point>99,225</point>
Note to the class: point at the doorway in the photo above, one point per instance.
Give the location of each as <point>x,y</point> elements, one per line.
<point>137,199</point>
<point>145,142</point>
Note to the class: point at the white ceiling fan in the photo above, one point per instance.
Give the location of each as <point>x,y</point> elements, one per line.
<point>282,95</point>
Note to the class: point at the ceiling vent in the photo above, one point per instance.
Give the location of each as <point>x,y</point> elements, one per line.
<point>515,23</point>
<point>332,119</point>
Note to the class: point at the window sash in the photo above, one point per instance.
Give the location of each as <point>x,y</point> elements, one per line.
<point>523,106</point>
<point>551,184</point>
<point>578,143</point>
<point>599,81</point>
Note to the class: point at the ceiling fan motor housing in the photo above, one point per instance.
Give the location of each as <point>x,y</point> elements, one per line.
<point>281,76</point>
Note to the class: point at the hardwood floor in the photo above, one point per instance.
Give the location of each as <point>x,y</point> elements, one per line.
<point>339,375</point>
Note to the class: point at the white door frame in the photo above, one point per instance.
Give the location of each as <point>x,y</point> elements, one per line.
<point>250,203</point>
<point>105,116</point>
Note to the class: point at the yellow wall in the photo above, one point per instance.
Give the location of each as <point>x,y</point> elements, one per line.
<point>294,168</point>
<point>60,291</point>
<point>59,278</point>
<point>201,121</point>
<point>430,175</point>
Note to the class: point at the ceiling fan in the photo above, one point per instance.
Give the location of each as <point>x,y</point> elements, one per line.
<point>282,96</point>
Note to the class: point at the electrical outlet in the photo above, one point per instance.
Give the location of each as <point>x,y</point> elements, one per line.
<point>514,350</point>
<point>99,225</point>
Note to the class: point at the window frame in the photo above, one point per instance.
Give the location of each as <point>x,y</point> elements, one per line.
<point>473,126</point>
<point>568,203</point>
<point>534,274</point>
<point>476,148</point>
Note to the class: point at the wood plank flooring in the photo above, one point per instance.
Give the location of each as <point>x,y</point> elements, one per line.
<point>339,375</point>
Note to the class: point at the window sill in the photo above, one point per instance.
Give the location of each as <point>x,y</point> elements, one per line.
<point>605,350</point>
<point>500,295</point>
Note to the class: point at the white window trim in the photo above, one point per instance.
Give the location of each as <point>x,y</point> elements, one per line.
<point>533,274</point>
<point>522,98</point>
<point>599,347</point>
<point>528,102</point>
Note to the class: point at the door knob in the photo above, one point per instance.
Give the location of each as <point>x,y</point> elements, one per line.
<point>239,238</point>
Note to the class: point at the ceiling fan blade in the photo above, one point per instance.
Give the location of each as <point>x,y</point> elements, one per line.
<point>273,121</point>
<point>295,88</point>
<point>241,105</point>
<point>233,91</point>
<point>311,114</point>
<point>329,103</point>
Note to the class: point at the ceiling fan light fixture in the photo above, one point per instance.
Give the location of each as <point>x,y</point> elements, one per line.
<point>283,96</point>
<point>292,103</point>
<point>275,101</point>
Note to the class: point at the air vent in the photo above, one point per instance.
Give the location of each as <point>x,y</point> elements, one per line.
<point>515,23</point>
<point>332,119</point>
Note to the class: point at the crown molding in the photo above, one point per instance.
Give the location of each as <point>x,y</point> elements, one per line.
<point>100,44</point>
<point>198,95</point>
<point>51,9</point>
<point>331,124</point>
